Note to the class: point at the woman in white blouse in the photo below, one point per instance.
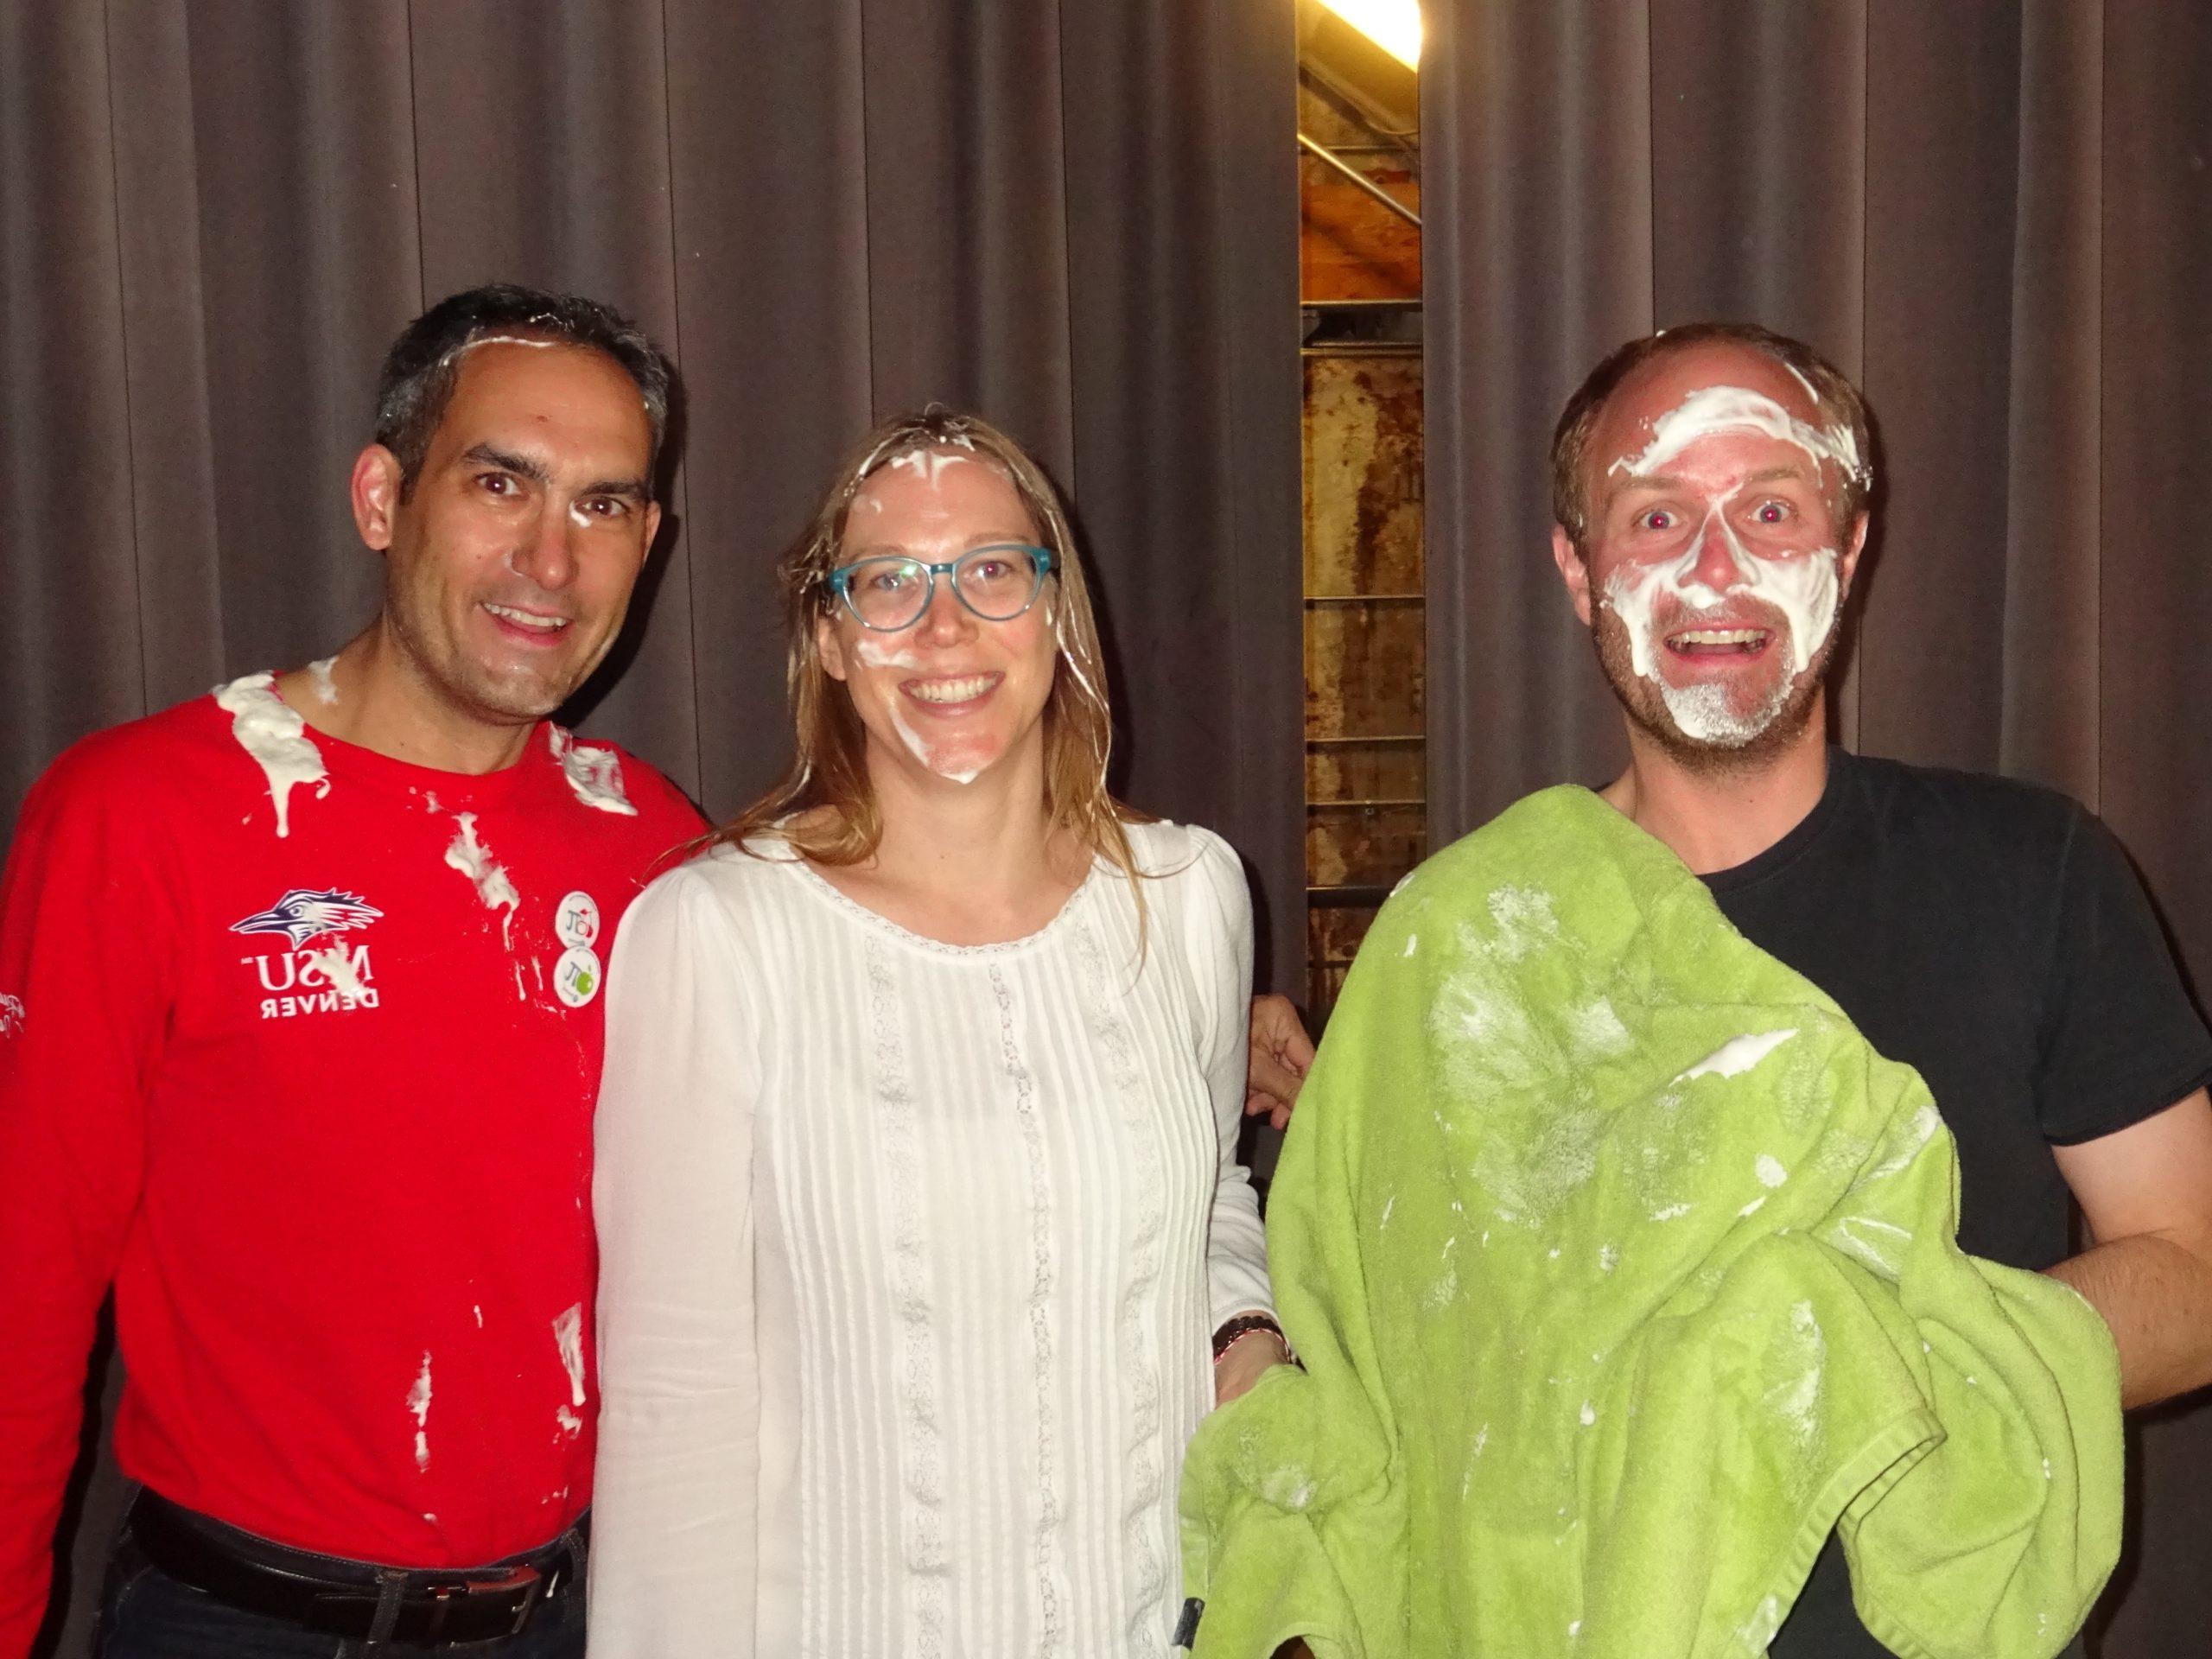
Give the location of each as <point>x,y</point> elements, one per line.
<point>917,1193</point>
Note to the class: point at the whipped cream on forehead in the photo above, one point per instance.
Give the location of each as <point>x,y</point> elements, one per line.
<point>1739,409</point>
<point>927,464</point>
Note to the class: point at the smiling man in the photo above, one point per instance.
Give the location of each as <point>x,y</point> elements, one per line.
<point>1711,486</point>
<point>1617,1230</point>
<point>304,980</point>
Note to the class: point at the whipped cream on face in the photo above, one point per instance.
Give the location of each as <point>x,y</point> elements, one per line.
<point>536,342</point>
<point>1804,589</point>
<point>876,655</point>
<point>1739,409</point>
<point>926,463</point>
<point>919,748</point>
<point>593,771</point>
<point>272,732</point>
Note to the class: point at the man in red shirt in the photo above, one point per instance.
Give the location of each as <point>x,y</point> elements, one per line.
<point>299,1035</point>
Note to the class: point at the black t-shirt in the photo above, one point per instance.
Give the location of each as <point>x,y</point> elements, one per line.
<point>1992,936</point>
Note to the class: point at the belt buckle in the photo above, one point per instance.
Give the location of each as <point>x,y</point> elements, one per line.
<point>526,1578</point>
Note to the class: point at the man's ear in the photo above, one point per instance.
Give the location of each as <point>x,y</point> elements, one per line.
<point>828,647</point>
<point>1847,566</point>
<point>652,526</point>
<point>374,490</point>
<point>1571,571</point>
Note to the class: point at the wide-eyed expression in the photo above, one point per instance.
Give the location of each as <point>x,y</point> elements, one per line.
<point>1715,560</point>
<point>511,562</point>
<point>952,694</point>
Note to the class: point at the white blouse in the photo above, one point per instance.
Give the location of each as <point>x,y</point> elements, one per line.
<point>910,1254</point>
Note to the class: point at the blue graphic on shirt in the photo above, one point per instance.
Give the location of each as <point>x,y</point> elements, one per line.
<point>305,914</point>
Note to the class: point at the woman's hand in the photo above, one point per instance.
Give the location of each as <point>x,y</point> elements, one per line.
<point>1247,1360</point>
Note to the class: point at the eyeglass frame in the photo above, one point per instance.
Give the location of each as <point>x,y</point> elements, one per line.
<point>1042,561</point>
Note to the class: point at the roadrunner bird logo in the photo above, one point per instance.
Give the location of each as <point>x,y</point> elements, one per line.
<point>301,915</point>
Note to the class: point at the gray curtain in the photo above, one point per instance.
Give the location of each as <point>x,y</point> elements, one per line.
<point>1079,218</point>
<point>1998,219</point>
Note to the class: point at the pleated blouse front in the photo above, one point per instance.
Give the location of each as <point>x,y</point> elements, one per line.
<point>910,1255</point>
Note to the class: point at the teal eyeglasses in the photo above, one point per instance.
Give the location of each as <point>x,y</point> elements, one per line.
<point>997,583</point>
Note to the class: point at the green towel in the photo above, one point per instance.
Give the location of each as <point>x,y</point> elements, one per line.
<point>1624,1269</point>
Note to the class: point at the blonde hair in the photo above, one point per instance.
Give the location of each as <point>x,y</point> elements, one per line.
<point>824,806</point>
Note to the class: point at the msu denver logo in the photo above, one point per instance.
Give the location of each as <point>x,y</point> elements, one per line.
<point>317,981</point>
<point>301,915</point>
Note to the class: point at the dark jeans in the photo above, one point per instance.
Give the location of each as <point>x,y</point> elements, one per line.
<point>146,1614</point>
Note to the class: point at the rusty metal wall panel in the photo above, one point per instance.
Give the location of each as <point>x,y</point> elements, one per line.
<point>1332,939</point>
<point>1367,820</point>
<point>1382,770</point>
<point>1364,846</point>
<point>1364,671</point>
<point>1363,431</point>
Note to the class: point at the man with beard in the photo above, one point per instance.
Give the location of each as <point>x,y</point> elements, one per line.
<point>1711,486</point>
<point>1616,1236</point>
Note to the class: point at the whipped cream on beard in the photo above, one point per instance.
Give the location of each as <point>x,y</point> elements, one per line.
<point>1804,589</point>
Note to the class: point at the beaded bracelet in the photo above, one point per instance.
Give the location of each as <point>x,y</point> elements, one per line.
<point>1244,1325</point>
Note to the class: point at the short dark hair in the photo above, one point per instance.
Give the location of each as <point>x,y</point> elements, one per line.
<point>423,365</point>
<point>1839,401</point>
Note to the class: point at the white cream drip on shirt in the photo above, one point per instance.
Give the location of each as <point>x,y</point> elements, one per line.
<point>272,732</point>
<point>337,967</point>
<point>469,856</point>
<point>593,771</point>
<point>418,1402</point>
<point>569,1338</point>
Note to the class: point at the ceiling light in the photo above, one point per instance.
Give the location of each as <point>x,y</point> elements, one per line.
<point>1394,25</point>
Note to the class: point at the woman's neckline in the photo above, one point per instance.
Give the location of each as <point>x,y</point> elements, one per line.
<point>838,897</point>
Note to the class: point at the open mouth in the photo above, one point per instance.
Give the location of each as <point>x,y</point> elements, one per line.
<point>533,625</point>
<point>1719,644</point>
<point>950,693</point>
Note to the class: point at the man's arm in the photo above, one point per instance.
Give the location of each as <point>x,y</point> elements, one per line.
<point>87,937</point>
<point>2146,1191</point>
<point>1282,1055</point>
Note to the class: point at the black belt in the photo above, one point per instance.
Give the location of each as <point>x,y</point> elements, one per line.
<point>356,1599</point>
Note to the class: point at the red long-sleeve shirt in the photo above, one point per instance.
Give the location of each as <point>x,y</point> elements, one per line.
<point>318,1103</point>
